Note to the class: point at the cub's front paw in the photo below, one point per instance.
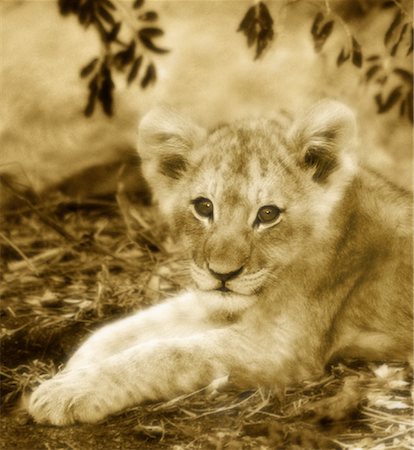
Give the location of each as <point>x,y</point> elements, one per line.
<point>68,398</point>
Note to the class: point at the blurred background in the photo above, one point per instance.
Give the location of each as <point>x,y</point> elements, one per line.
<point>77,75</point>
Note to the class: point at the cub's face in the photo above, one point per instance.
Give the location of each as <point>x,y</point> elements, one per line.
<point>242,208</point>
<point>247,198</point>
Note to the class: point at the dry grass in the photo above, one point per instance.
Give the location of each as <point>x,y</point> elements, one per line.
<point>68,266</point>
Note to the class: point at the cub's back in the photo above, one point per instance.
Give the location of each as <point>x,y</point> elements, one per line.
<point>377,242</point>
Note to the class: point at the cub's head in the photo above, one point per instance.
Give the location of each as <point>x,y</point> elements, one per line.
<point>251,197</point>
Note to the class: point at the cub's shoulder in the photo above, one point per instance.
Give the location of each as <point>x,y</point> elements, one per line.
<point>386,201</point>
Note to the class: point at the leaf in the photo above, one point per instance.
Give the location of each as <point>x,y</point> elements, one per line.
<point>134,70</point>
<point>151,46</point>
<point>251,35</point>
<point>86,70</point>
<point>410,48</point>
<point>257,26</point>
<point>392,99</point>
<point>130,53</point>
<point>113,34</point>
<point>150,76</point>
<point>264,16</point>
<point>409,103</point>
<point>248,26</point>
<point>327,29</point>
<point>68,6</point>
<point>85,14</point>
<point>248,19</point>
<point>101,29</point>
<point>137,4</point>
<point>384,371</point>
<point>124,57</point>
<point>321,34</point>
<point>263,39</point>
<point>405,75</point>
<point>148,16</point>
<point>378,101</point>
<point>106,89</point>
<point>388,403</point>
<point>147,42</point>
<point>325,32</point>
<point>106,15</point>
<point>316,22</point>
<point>372,71</point>
<point>402,108</point>
<point>93,91</point>
<point>150,32</point>
<point>372,58</point>
<point>342,57</point>
<point>394,48</point>
<point>394,24</point>
<point>403,31</point>
<point>109,4</point>
<point>90,106</point>
<point>356,53</point>
<point>266,33</point>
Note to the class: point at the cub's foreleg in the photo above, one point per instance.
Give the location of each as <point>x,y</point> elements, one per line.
<point>179,316</point>
<point>154,370</point>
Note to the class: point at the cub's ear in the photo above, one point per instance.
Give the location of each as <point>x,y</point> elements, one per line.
<point>324,139</point>
<point>166,141</point>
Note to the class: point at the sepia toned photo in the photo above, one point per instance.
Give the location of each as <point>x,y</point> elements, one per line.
<point>206,224</point>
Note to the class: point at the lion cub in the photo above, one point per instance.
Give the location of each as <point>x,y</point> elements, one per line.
<point>299,256</point>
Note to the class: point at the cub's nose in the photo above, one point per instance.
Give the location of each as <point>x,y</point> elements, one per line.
<point>226,276</point>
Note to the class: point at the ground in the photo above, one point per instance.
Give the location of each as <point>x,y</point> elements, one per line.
<point>69,266</point>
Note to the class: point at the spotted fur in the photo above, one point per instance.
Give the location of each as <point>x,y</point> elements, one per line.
<point>330,276</point>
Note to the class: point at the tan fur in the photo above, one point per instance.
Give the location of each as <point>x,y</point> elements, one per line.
<point>330,277</point>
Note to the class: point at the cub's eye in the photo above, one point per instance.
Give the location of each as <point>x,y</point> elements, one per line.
<point>268,215</point>
<point>203,207</point>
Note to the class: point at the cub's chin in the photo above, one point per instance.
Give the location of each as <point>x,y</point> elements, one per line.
<point>226,301</point>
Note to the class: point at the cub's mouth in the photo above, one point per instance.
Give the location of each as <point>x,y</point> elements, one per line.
<point>245,284</point>
<point>223,288</point>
